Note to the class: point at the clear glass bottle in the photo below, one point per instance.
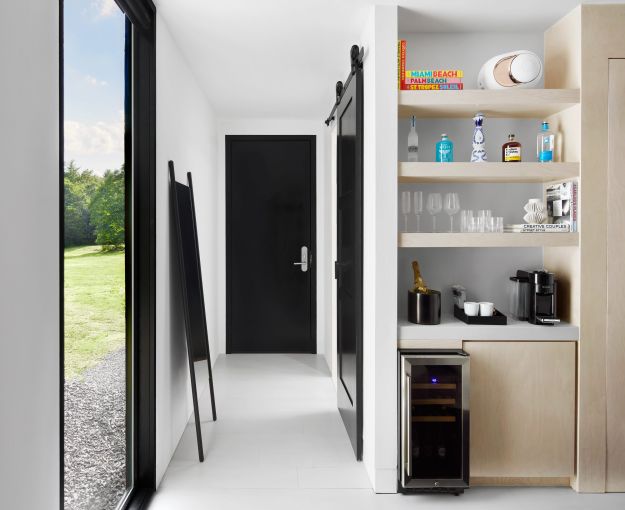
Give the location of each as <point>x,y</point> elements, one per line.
<point>413,141</point>
<point>444,150</point>
<point>511,151</point>
<point>545,144</point>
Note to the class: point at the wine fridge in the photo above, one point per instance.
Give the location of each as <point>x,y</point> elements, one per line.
<point>434,421</point>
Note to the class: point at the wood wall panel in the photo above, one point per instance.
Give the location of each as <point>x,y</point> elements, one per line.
<point>615,345</point>
<point>577,53</point>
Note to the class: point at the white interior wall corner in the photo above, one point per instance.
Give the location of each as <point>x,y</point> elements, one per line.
<point>380,248</point>
<point>29,258</point>
<point>185,133</point>
<point>386,29</point>
<point>369,251</point>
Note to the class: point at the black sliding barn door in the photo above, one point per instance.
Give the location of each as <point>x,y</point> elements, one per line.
<point>270,264</point>
<point>348,270</point>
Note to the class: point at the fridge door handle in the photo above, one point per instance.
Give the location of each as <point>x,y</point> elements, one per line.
<point>407,449</point>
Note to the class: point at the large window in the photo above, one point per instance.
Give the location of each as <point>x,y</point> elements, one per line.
<point>108,251</point>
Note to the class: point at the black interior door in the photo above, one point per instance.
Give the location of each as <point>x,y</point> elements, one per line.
<point>348,270</point>
<point>270,280</point>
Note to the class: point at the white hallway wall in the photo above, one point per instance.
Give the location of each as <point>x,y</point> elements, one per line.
<point>379,40</point>
<point>29,255</point>
<point>185,133</point>
<point>324,265</point>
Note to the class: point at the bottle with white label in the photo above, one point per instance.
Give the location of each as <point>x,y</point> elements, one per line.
<point>545,144</point>
<point>413,141</point>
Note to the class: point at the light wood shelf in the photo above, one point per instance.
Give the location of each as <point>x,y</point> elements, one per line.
<point>486,240</point>
<point>422,172</point>
<point>518,103</point>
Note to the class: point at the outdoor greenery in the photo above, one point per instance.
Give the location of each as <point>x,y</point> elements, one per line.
<point>94,266</point>
<point>94,207</point>
<point>94,306</point>
<point>107,210</point>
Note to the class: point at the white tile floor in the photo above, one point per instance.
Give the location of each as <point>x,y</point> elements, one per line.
<point>279,443</point>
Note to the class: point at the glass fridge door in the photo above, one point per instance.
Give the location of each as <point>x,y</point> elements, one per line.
<point>434,420</point>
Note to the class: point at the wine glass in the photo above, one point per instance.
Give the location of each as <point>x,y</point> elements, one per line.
<point>417,205</point>
<point>452,206</point>
<point>434,206</point>
<point>405,207</point>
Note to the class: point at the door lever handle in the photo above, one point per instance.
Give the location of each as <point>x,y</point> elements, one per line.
<point>303,261</point>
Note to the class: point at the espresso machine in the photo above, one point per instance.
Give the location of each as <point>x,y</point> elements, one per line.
<point>534,297</point>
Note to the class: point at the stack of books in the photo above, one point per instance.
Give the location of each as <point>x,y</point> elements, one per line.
<point>537,227</point>
<point>562,206</point>
<point>425,79</point>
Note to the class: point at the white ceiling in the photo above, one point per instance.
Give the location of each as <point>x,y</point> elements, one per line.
<point>281,58</point>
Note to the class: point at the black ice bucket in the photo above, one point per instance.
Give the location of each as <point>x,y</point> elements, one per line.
<point>424,308</point>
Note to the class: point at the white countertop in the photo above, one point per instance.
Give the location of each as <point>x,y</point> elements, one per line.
<point>451,328</point>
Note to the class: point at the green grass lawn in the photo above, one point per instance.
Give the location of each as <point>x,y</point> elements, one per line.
<point>94,306</point>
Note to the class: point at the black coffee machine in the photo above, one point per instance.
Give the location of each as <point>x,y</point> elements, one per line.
<point>542,296</point>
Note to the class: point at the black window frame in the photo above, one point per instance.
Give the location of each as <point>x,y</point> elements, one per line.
<point>140,157</point>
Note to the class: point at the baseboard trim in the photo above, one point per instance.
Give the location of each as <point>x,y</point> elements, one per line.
<point>385,481</point>
<point>521,481</point>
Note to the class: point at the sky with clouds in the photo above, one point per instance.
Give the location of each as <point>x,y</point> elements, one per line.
<point>94,84</point>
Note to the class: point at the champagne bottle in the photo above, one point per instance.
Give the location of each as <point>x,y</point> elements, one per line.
<point>419,285</point>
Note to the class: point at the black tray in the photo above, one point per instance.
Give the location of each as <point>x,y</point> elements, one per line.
<point>497,319</point>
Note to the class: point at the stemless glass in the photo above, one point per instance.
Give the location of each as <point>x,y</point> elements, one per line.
<point>405,207</point>
<point>473,225</point>
<point>466,216</point>
<point>452,206</point>
<point>499,224</point>
<point>434,206</point>
<point>482,219</point>
<point>417,205</point>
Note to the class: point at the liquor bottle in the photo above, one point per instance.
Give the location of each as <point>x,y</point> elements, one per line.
<point>413,141</point>
<point>511,150</point>
<point>545,144</point>
<point>444,150</point>
<point>478,155</point>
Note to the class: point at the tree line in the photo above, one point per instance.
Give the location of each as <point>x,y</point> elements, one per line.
<point>94,207</point>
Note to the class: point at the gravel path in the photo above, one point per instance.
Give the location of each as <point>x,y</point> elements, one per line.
<point>95,436</point>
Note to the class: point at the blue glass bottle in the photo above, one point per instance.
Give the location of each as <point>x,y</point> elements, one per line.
<point>444,150</point>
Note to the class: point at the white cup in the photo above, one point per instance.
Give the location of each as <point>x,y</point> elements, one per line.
<point>486,309</point>
<point>471,308</point>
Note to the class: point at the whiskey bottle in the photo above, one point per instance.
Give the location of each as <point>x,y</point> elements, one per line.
<point>511,150</point>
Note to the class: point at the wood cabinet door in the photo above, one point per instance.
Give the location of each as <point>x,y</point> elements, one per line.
<point>522,407</point>
<point>615,343</point>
